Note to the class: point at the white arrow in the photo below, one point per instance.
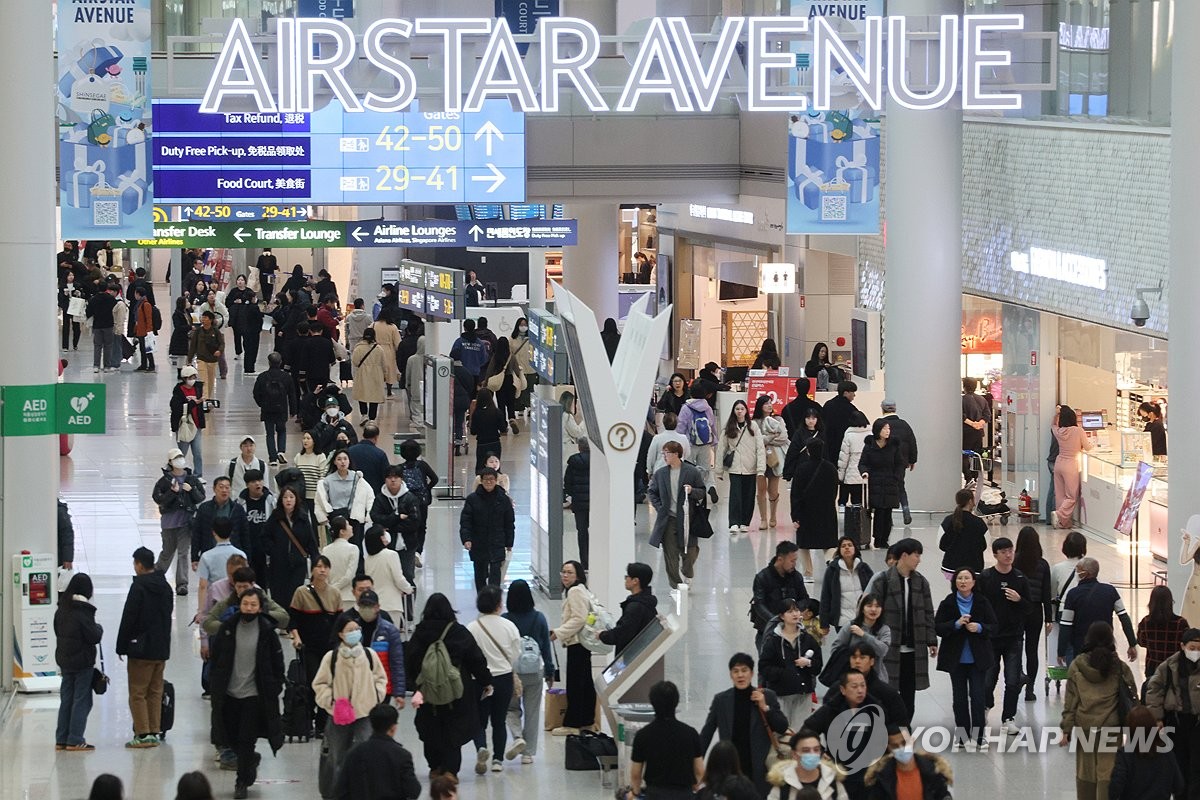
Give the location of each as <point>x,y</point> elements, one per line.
<point>241,235</point>
<point>497,177</point>
<point>189,209</point>
<point>475,231</point>
<point>489,130</point>
<point>358,234</point>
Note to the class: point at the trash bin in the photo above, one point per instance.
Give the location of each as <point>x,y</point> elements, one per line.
<point>632,717</point>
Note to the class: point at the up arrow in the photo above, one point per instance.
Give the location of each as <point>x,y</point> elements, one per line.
<point>241,235</point>
<point>358,234</point>
<point>489,130</point>
<point>475,230</point>
<point>497,177</point>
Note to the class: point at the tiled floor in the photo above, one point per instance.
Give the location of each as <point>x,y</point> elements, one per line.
<point>107,481</point>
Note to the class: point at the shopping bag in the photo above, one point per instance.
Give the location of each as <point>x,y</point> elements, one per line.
<point>555,708</point>
<point>77,307</point>
<point>151,341</point>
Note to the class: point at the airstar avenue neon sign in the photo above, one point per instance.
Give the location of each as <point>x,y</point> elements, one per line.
<point>669,63</point>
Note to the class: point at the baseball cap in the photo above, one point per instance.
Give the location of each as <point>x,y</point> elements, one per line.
<point>888,404</point>
<point>187,372</point>
<point>368,598</point>
<point>249,439</point>
<point>173,453</point>
<point>331,401</point>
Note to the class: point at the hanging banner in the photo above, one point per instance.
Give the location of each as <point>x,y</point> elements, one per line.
<point>104,120</point>
<point>833,156</point>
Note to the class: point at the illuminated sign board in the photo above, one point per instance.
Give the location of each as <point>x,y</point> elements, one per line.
<point>668,63</point>
<point>549,347</point>
<point>432,291</point>
<point>333,157</point>
<point>1066,267</point>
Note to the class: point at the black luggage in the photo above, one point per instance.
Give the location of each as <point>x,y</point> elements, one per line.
<point>590,751</point>
<point>298,700</point>
<point>167,721</point>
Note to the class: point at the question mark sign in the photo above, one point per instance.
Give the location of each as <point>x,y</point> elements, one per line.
<point>621,436</point>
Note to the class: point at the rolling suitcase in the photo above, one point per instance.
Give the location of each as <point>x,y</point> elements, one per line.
<point>297,717</point>
<point>862,515</point>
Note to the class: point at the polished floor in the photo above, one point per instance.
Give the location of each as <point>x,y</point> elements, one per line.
<point>107,482</point>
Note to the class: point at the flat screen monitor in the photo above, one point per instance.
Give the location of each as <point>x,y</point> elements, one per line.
<point>737,280</point>
<point>736,374</point>
<point>1092,420</point>
<point>634,649</point>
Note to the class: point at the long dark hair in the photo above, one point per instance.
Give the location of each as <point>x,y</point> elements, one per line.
<point>438,607</point>
<point>679,375</point>
<point>864,601</point>
<point>500,354</point>
<point>762,400</point>
<point>81,584</point>
<point>1067,418</point>
<point>768,355</point>
<point>1029,551</point>
<point>520,598</point>
<point>723,762</point>
<point>1101,649</point>
<point>852,540</point>
<point>580,573</point>
<point>297,510</point>
<point>961,498</point>
<point>1161,607</point>
<point>732,429</point>
<point>815,358</point>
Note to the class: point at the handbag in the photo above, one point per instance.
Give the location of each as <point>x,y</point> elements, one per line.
<point>100,680</point>
<point>495,382</point>
<point>590,751</point>
<point>187,429</point>
<point>776,752</point>
<point>77,307</point>
<point>772,457</point>
<point>696,522</point>
<point>727,459</point>
<point>343,711</point>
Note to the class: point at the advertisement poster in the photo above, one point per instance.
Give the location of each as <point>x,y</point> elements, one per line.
<point>777,384</point>
<point>833,156</point>
<point>103,114</point>
<point>1133,498</point>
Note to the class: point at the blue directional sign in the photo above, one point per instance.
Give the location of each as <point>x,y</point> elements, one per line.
<point>334,9</point>
<point>463,233</point>
<point>332,157</point>
<point>243,213</point>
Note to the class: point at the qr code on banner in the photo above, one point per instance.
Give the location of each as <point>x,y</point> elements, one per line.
<point>106,213</point>
<point>834,208</point>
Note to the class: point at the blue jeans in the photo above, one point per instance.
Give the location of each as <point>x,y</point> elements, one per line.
<point>1008,648</point>
<point>197,456</point>
<point>75,703</point>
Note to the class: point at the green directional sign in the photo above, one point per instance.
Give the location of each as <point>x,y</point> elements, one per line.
<point>254,235</point>
<point>50,408</point>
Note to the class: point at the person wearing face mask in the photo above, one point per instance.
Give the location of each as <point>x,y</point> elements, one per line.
<point>381,635</point>
<point>905,774</point>
<point>247,672</point>
<point>332,423</point>
<point>809,769</point>
<point>349,683</point>
<point>177,494</point>
<point>188,396</point>
<point>1172,706</point>
<point>522,354</point>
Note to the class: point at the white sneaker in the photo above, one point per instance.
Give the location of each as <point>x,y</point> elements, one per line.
<point>497,766</point>
<point>515,749</point>
<point>1009,727</point>
<point>563,730</point>
<point>482,756</point>
<point>526,759</point>
<point>417,560</point>
<point>734,530</point>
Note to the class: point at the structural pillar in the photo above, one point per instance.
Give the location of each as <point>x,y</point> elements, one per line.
<point>590,269</point>
<point>923,285</point>
<point>28,465</point>
<point>1183,283</point>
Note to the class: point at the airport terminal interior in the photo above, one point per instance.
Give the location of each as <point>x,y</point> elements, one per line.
<point>663,209</point>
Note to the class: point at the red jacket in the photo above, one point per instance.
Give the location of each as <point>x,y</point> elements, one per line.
<point>326,318</point>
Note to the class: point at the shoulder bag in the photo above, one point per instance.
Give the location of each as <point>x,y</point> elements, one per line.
<point>727,460</point>
<point>187,426</point>
<point>366,355</point>
<point>100,680</point>
<point>287,528</point>
<point>776,752</point>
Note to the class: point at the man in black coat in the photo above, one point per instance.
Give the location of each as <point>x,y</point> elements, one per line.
<point>275,396</point>
<point>862,658</point>
<point>837,414</point>
<point>775,583</point>
<point>144,637</point>
<point>1007,590</point>
<point>730,707</point>
<point>637,611</point>
<point>222,504</point>
<point>487,528</point>
<point>794,412</point>
<point>267,265</point>
<point>902,434</point>
<point>328,432</point>
<point>314,357</point>
<point>380,768</point>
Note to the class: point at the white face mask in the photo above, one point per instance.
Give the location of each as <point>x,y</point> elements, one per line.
<point>178,463</point>
<point>331,413</point>
<point>387,540</point>
<point>1192,655</point>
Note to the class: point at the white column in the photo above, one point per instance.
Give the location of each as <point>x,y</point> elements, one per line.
<point>590,269</point>
<point>923,286</point>
<point>27,239</point>
<point>1183,283</point>
<point>537,278</point>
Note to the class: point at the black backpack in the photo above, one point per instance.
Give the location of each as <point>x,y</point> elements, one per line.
<point>275,394</point>
<point>297,718</point>
<point>156,318</point>
<point>414,479</point>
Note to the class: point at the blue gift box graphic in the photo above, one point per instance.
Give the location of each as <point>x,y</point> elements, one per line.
<point>817,160</point>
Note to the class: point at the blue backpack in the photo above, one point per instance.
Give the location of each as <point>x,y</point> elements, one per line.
<point>701,431</point>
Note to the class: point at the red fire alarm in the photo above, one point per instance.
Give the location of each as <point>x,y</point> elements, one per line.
<point>841,341</point>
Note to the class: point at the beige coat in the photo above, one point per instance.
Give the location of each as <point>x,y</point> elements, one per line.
<point>577,604</point>
<point>365,686</point>
<point>1091,702</point>
<point>388,337</point>
<point>368,365</point>
<point>522,352</point>
<point>749,454</point>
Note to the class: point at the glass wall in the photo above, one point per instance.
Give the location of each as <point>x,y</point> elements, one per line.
<point>186,17</point>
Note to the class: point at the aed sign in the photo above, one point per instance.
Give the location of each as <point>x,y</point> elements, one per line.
<point>51,408</point>
<point>669,64</point>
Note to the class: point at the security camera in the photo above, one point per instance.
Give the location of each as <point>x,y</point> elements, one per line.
<point>1140,312</point>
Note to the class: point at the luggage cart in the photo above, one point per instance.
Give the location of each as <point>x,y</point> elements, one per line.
<point>980,485</point>
<point>1053,671</point>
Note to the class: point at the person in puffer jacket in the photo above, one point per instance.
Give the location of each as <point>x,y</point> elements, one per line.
<point>789,662</point>
<point>77,636</point>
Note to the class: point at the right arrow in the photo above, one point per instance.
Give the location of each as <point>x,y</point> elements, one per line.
<point>475,230</point>
<point>497,177</point>
<point>489,130</point>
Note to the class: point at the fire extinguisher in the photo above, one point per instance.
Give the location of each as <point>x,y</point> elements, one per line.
<point>1026,503</point>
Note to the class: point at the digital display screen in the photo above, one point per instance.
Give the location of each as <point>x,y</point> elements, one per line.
<point>1092,420</point>
<point>634,649</point>
<point>432,291</point>
<point>334,157</point>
